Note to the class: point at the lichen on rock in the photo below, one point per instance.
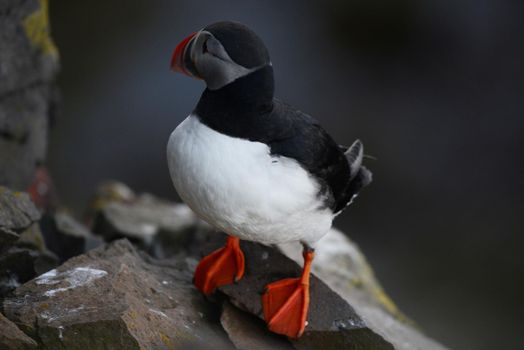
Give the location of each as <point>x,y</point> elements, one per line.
<point>36,26</point>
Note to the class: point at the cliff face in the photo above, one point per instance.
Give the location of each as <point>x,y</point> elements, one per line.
<point>28,64</point>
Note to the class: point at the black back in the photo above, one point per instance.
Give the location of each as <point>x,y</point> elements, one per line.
<point>246,109</point>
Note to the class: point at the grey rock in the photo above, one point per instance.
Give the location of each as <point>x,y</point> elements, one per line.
<point>22,250</point>
<point>67,237</point>
<point>349,309</point>
<point>7,238</point>
<point>248,332</point>
<point>17,212</point>
<point>22,264</point>
<point>23,135</point>
<point>27,258</point>
<point>107,192</point>
<point>28,53</point>
<point>340,263</point>
<point>12,338</point>
<point>160,226</point>
<point>8,282</point>
<point>343,267</point>
<point>28,64</point>
<point>332,322</point>
<point>113,297</point>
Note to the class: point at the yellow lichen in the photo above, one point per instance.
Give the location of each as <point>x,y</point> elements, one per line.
<point>383,299</point>
<point>356,282</point>
<point>133,314</point>
<point>36,27</point>
<point>166,340</point>
<point>366,281</point>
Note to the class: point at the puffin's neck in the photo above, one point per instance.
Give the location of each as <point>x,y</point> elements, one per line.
<point>249,95</point>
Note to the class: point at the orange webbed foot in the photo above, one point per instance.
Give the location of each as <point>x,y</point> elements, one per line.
<point>285,303</point>
<point>223,266</point>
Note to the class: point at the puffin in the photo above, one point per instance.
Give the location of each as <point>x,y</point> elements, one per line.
<point>255,167</point>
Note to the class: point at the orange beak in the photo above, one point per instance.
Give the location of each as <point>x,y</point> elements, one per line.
<point>177,61</point>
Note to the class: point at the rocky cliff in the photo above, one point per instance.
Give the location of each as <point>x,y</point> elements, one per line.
<point>126,283</point>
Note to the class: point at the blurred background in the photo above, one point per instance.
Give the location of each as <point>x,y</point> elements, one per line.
<point>435,89</point>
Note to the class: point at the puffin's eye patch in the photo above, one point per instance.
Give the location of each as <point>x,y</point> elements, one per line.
<point>213,47</point>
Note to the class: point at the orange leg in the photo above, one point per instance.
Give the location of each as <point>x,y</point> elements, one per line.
<point>286,302</point>
<point>223,266</point>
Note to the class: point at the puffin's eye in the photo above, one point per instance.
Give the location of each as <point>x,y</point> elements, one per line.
<point>204,47</point>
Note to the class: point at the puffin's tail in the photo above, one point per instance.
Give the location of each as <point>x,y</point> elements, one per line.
<point>354,155</point>
<point>360,176</point>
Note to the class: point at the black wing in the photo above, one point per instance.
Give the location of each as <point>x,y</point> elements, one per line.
<point>299,136</point>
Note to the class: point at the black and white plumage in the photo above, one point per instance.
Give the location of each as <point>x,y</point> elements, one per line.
<point>248,163</point>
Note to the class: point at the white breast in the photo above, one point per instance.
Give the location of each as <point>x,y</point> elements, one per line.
<point>238,187</point>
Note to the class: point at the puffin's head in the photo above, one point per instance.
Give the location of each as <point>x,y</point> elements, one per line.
<point>220,53</point>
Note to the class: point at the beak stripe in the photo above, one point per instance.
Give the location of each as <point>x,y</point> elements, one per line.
<point>177,61</point>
